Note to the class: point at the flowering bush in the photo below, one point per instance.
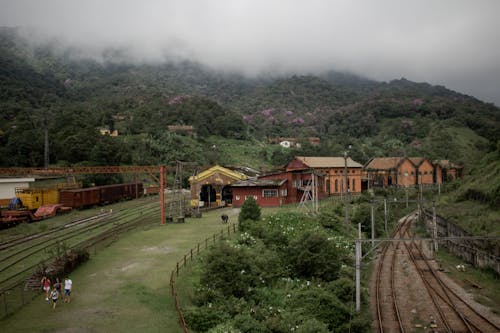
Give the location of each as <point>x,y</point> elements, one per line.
<point>284,273</point>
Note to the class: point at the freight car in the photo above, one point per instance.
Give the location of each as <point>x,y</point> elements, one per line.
<point>100,195</point>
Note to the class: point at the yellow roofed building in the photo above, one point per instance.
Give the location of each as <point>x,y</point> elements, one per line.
<point>212,187</point>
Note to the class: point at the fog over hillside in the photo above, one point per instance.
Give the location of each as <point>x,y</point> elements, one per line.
<point>449,42</point>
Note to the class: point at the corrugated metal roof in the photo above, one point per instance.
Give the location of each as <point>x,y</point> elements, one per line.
<point>259,182</point>
<point>328,162</point>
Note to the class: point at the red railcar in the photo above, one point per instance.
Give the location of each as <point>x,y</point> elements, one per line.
<point>99,195</point>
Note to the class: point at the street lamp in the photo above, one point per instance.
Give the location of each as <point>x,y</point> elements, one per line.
<point>347,221</point>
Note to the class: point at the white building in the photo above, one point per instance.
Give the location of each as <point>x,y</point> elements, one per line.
<point>8,186</point>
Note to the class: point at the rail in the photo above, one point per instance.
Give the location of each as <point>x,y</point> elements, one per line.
<point>183,264</point>
<point>16,295</point>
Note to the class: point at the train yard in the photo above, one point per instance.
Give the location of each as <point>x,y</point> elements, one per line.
<point>20,256</point>
<point>411,294</point>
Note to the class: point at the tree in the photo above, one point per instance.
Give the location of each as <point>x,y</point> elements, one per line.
<point>250,210</point>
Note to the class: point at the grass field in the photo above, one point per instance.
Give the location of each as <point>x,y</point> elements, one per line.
<point>124,288</point>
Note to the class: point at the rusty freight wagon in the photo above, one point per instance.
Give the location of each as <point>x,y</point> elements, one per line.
<point>100,195</point>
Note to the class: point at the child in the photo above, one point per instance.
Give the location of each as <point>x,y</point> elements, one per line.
<point>54,295</point>
<point>46,286</point>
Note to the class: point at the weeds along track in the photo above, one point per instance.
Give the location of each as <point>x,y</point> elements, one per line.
<point>455,313</point>
<point>449,311</point>
<point>20,257</point>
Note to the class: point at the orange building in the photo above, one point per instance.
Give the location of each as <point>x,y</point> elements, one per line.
<point>391,171</point>
<point>448,171</point>
<point>425,170</point>
<point>333,169</point>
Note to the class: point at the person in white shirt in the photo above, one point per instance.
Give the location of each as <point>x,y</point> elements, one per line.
<point>68,284</point>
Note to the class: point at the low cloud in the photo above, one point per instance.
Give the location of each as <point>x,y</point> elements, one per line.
<point>449,42</point>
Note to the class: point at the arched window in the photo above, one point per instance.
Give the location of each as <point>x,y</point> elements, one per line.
<point>353,185</point>
<point>336,186</point>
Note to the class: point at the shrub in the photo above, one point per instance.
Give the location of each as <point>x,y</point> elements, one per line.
<point>343,288</point>
<point>312,326</point>
<point>250,210</point>
<point>314,255</point>
<point>248,324</point>
<point>203,319</point>
<point>322,305</point>
<point>229,269</point>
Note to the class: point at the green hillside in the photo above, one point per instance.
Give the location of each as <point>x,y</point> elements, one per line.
<point>49,87</point>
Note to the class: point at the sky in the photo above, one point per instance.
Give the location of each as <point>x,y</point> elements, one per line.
<point>454,43</point>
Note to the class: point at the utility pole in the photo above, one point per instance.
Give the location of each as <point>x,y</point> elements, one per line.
<point>434,225</point>
<point>347,220</point>
<point>385,215</point>
<point>46,148</point>
<point>358,269</point>
<point>373,223</point>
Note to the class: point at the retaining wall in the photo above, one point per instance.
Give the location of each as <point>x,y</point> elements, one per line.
<point>473,252</point>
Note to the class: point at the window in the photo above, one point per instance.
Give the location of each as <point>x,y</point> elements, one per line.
<point>237,198</point>
<point>251,196</point>
<point>269,193</point>
<point>336,185</point>
<point>354,185</point>
<point>284,192</point>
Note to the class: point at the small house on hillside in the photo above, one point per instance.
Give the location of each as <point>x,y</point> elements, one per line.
<point>182,129</point>
<point>212,187</point>
<point>333,170</point>
<point>107,131</point>
<point>295,142</point>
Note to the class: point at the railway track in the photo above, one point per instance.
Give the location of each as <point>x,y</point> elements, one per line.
<point>21,256</point>
<point>448,311</point>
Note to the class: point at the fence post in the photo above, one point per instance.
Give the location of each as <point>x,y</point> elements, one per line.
<point>177,268</point>
<point>198,248</point>
<point>234,228</point>
<point>184,260</point>
<point>172,282</point>
<point>191,254</point>
<point>206,243</point>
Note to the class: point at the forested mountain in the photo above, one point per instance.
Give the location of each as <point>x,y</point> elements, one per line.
<point>48,87</point>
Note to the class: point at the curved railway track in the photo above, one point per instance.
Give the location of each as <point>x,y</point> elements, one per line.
<point>24,254</point>
<point>454,314</point>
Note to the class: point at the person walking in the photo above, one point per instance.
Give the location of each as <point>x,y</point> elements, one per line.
<point>68,284</point>
<point>46,286</point>
<point>54,296</point>
<point>58,286</point>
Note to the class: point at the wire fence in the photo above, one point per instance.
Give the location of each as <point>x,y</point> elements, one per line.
<point>188,257</point>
